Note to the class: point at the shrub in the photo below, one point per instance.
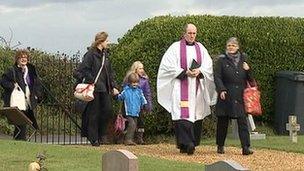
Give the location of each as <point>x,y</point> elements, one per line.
<point>272,44</point>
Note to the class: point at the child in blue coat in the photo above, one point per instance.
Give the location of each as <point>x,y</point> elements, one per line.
<point>134,101</point>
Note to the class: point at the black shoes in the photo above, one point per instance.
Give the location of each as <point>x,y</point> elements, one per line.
<point>189,149</point>
<point>95,143</point>
<point>220,150</point>
<point>247,151</point>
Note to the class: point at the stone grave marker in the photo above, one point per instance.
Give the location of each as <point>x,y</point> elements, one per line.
<point>254,135</point>
<point>293,127</point>
<point>225,165</point>
<point>119,160</point>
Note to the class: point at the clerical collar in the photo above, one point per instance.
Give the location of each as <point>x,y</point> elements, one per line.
<point>189,44</point>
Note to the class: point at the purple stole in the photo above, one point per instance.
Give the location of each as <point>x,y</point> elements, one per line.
<point>184,103</point>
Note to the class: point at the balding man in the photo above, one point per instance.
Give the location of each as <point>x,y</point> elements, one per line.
<point>185,88</point>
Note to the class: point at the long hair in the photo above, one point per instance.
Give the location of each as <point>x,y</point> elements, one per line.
<point>133,69</point>
<point>99,38</point>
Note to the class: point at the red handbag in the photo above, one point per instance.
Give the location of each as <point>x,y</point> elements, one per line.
<point>252,102</point>
<point>120,123</point>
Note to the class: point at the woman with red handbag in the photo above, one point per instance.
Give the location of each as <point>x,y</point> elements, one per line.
<point>231,75</point>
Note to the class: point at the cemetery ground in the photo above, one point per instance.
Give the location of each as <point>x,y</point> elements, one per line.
<point>272,153</point>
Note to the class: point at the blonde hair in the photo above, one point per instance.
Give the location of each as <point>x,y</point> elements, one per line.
<point>99,38</point>
<point>133,69</point>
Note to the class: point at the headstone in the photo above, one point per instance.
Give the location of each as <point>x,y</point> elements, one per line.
<point>225,165</point>
<point>17,117</point>
<point>235,132</point>
<point>119,160</point>
<point>254,135</point>
<point>293,127</point>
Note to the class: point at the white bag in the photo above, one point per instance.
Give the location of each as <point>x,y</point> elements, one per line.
<point>84,92</point>
<point>18,98</point>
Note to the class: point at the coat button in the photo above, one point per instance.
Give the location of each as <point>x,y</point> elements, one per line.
<point>236,86</point>
<point>235,101</point>
<point>237,72</point>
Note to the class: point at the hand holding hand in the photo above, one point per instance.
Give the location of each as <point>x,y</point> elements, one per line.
<point>246,66</point>
<point>193,73</point>
<point>115,92</point>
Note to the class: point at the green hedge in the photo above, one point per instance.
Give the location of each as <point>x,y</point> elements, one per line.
<point>55,70</point>
<point>272,44</point>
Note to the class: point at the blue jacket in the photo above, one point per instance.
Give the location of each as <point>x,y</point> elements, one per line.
<point>133,99</point>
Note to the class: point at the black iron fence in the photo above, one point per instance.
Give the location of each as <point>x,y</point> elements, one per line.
<point>58,121</point>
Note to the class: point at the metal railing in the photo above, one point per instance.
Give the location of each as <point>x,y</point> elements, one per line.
<point>58,121</point>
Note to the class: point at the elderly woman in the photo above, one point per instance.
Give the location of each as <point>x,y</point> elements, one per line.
<point>97,114</point>
<point>230,76</point>
<point>25,75</point>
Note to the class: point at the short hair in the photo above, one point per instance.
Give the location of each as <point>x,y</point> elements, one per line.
<point>99,38</point>
<point>22,53</point>
<point>233,40</point>
<point>133,78</point>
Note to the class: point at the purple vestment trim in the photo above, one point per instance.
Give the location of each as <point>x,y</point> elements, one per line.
<point>184,82</point>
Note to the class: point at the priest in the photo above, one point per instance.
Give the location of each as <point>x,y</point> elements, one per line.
<point>185,88</point>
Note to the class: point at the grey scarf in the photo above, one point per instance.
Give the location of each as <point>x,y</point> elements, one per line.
<point>234,57</point>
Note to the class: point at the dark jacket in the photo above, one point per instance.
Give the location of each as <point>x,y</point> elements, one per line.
<point>89,67</point>
<point>232,79</point>
<point>7,82</point>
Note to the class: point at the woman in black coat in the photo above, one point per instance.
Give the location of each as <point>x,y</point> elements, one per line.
<point>25,75</point>
<point>97,113</point>
<point>231,75</point>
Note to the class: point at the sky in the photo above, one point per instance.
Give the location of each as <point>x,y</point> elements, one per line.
<point>69,26</point>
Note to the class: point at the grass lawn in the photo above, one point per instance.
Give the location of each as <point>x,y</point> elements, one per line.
<point>16,155</point>
<point>281,143</point>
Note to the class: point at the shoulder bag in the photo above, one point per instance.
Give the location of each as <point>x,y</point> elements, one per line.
<point>251,98</point>
<point>17,98</point>
<point>85,91</point>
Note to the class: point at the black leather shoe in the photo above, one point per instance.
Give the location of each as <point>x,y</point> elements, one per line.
<point>95,143</point>
<point>182,148</point>
<point>247,151</point>
<point>220,150</point>
<point>190,149</point>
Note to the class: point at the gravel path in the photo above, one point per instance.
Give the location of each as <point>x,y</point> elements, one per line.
<point>261,159</point>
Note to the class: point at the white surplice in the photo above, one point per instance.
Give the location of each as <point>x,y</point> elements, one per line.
<point>168,86</point>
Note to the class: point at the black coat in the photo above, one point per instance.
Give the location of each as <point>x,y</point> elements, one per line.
<point>233,79</point>
<point>89,67</point>
<point>7,82</point>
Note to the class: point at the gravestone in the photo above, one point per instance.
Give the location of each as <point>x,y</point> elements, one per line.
<point>254,135</point>
<point>119,160</point>
<point>17,117</point>
<point>225,165</point>
<point>293,127</point>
